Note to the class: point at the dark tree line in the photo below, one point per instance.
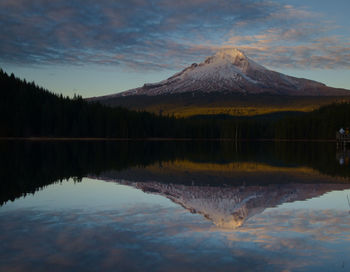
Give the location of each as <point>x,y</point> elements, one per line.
<point>319,124</point>
<point>27,110</point>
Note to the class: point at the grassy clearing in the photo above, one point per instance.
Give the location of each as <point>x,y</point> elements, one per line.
<point>186,105</point>
<point>183,111</point>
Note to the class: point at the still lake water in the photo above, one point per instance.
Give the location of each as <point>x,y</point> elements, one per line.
<point>165,206</point>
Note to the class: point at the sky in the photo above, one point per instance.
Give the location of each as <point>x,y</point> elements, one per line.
<point>95,48</point>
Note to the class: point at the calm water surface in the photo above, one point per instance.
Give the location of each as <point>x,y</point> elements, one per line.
<point>174,207</point>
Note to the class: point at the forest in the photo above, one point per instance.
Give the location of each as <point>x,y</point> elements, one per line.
<point>27,110</point>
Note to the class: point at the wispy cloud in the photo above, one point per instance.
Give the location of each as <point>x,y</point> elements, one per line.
<point>165,34</point>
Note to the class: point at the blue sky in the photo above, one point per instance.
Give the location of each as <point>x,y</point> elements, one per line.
<point>100,47</point>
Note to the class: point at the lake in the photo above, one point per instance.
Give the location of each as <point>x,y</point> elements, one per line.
<point>174,206</point>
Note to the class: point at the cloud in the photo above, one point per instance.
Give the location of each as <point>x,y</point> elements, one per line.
<point>164,34</point>
<point>303,46</point>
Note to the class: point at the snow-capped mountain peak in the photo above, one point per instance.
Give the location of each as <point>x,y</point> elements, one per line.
<point>232,71</point>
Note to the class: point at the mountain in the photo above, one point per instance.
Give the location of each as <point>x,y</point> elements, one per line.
<point>231,70</point>
<point>225,80</point>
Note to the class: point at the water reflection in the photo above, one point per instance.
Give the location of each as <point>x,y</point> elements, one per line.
<point>135,231</point>
<point>231,206</point>
<point>343,156</point>
<point>173,206</point>
<point>28,166</point>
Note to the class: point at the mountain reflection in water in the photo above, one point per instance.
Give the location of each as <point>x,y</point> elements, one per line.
<point>228,206</point>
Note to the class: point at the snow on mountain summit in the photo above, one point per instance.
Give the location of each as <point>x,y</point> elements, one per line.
<point>225,64</point>
<point>233,57</point>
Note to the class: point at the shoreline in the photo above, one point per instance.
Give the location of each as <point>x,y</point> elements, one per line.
<point>92,139</point>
